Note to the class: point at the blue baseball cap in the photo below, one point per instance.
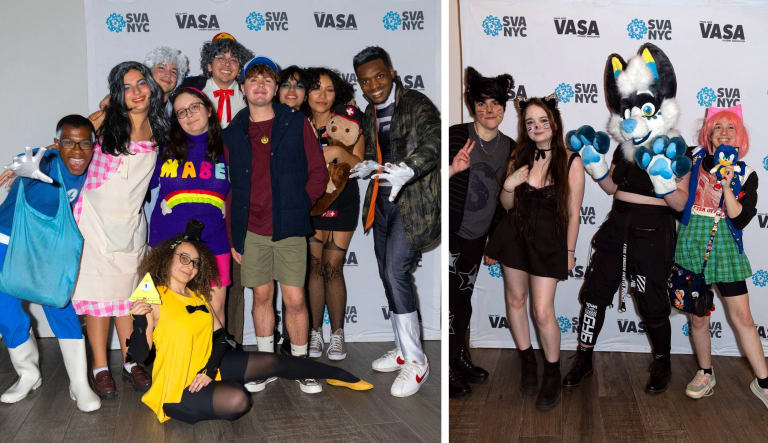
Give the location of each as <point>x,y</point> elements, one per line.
<point>259,60</point>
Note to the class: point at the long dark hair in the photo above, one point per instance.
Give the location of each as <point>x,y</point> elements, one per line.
<point>115,131</point>
<point>344,92</point>
<point>179,145</point>
<point>158,264</point>
<point>523,155</point>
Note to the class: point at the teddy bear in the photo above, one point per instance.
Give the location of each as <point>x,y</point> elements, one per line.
<point>343,130</point>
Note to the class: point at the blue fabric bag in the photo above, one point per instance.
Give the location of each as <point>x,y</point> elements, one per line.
<point>43,256</point>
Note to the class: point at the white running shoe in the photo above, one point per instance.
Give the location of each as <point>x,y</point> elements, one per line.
<point>337,349</point>
<point>412,375</point>
<point>389,362</point>
<point>316,343</point>
<point>259,385</point>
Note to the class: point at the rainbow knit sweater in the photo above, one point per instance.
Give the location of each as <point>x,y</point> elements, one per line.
<point>194,188</point>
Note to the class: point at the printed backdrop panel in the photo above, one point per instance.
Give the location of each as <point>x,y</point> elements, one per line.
<point>307,33</point>
<point>560,46</point>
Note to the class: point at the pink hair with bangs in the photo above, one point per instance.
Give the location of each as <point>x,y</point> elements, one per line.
<point>742,138</point>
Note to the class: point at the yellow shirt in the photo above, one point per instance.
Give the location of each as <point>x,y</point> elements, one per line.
<point>183,345</point>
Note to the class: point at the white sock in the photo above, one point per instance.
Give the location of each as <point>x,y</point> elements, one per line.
<point>97,370</point>
<point>128,366</point>
<point>298,351</point>
<point>266,344</point>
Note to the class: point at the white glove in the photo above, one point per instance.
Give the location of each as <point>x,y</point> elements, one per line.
<point>28,165</point>
<point>364,169</point>
<point>398,175</point>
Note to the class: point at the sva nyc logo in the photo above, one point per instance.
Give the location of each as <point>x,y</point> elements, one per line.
<point>405,20</point>
<point>131,22</point>
<point>654,29</point>
<point>507,26</point>
<point>721,97</point>
<point>267,21</point>
<point>579,93</point>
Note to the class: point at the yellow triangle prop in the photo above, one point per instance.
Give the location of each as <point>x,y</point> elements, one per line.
<point>146,291</point>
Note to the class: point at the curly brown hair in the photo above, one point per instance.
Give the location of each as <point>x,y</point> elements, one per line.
<point>158,264</point>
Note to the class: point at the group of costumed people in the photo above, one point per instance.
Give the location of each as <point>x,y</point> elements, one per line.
<point>517,204</point>
<point>235,160</point>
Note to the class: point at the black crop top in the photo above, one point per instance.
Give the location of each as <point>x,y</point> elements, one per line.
<point>629,177</point>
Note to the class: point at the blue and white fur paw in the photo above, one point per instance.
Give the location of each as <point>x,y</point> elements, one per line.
<point>592,146</point>
<point>664,162</point>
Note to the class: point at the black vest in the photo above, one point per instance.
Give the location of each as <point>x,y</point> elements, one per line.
<point>288,174</point>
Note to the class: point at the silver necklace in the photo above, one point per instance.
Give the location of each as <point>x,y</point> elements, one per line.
<point>482,145</point>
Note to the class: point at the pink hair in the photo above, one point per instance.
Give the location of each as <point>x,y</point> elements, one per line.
<point>742,138</point>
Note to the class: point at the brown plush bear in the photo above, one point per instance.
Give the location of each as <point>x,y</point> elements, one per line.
<point>343,130</point>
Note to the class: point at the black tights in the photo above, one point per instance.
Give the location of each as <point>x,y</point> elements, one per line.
<point>326,283</point>
<point>228,400</point>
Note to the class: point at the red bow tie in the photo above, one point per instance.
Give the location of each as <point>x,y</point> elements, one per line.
<point>223,96</point>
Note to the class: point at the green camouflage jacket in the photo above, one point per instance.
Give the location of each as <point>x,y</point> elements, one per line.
<point>415,140</point>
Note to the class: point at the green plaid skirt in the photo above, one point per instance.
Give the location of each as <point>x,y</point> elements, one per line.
<point>725,264</point>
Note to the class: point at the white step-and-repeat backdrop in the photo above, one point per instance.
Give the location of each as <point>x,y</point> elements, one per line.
<point>306,33</point>
<point>719,55</point>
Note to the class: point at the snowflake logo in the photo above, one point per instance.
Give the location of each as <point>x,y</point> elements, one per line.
<point>495,270</point>
<point>326,317</point>
<point>706,96</point>
<point>636,29</point>
<point>564,324</point>
<point>765,162</point>
<point>564,92</point>
<point>391,21</point>
<point>115,22</point>
<point>492,25</point>
<point>760,278</point>
<point>687,329</point>
<point>255,21</point>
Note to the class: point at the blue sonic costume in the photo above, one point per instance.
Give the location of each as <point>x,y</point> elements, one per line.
<point>15,322</point>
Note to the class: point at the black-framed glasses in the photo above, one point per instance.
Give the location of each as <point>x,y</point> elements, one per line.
<point>186,259</point>
<point>84,145</point>
<point>194,108</point>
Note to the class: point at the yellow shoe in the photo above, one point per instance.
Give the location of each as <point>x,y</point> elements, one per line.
<point>360,385</point>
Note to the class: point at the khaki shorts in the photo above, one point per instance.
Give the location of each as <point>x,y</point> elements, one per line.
<point>265,260</point>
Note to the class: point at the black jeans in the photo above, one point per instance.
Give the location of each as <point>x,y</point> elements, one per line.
<point>393,255</point>
<point>463,265</point>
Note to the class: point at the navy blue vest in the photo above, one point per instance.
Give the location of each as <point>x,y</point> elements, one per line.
<point>288,171</point>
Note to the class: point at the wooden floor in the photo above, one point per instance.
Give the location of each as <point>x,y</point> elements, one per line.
<point>611,405</point>
<point>280,413</point>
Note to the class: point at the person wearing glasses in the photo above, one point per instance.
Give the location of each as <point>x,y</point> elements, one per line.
<point>221,60</point>
<point>193,178</point>
<point>68,158</point>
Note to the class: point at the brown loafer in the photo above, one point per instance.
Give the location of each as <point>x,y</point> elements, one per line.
<point>103,384</point>
<point>138,378</point>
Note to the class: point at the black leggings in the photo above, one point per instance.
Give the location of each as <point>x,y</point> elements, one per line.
<point>465,261</point>
<point>227,399</point>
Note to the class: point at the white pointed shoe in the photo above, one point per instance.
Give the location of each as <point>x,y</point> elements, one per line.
<point>73,353</point>
<point>408,382</point>
<point>24,359</point>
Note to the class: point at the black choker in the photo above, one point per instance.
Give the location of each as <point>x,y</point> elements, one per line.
<point>541,153</point>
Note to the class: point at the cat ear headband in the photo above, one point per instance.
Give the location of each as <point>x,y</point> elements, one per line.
<point>713,111</point>
<point>521,103</point>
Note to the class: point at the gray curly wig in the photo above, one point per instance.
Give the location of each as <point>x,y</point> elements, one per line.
<point>164,54</point>
<point>213,48</point>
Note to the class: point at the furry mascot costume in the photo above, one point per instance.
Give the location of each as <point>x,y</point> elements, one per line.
<point>634,248</point>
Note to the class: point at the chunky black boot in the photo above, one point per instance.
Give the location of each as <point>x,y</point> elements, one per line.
<point>582,367</point>
<point>470,372</point>
<point>661,371</point>
<point>457,386</point>
<point>528,372</point>
<point>549,394</point>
